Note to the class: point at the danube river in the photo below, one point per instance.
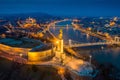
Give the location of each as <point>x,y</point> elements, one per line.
<point>102,54</point>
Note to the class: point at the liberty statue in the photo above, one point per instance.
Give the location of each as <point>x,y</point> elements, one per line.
<point>60,34</point>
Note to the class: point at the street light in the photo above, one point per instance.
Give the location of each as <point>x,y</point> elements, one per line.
<point>102,47</point>
<point>90,58</point>
<point>21,54</point>
<point>57,42</point>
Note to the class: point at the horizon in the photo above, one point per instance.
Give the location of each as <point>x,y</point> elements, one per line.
<point>32,14</point>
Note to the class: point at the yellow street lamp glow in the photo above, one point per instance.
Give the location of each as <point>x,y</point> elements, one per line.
<point>61,71</point>
<point>21,55</point>
<point>57,42</point>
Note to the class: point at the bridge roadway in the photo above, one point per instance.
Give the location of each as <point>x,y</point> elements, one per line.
<point>103,37</point>
<point>62,27</point>
<point>93,44</point>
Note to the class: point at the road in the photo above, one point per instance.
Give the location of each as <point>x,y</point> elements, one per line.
<point>101,36</point>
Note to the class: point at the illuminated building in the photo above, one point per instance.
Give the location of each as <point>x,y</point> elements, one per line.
<point>28,23</point>
<point>41,53</point>
<point>89,28</point>
<point>112,23</point>
<point>3,36</point>
<point>115,19</point>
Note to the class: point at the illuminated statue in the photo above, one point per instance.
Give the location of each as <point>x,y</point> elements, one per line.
<point>60,34</point>
<point>59,46</point>
<point>61,40</point>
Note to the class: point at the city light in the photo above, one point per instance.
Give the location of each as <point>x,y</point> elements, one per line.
<point>57,42</point>
<point>69,47</point>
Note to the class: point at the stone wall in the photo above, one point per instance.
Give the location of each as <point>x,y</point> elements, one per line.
<point>40,55</point>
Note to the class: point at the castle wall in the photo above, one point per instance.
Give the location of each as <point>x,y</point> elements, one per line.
<point>41,55</point>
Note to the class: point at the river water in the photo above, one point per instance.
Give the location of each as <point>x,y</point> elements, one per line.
<point>102,54</point>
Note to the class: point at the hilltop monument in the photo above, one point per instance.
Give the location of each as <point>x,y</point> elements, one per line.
<point>60,41</point>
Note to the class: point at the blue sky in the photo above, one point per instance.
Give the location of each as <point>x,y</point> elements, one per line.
<point>62,7</point>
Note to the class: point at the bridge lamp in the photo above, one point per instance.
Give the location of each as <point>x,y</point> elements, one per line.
<point>90,58</point>
<point>102,47</point>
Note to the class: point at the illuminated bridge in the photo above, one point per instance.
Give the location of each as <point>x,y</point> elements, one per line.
<point>52,24</point>
<point>108,39</point>
<point>78,44</point>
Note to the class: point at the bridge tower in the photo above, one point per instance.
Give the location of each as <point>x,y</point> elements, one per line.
<point>117,39</point>
<point>70,42</point>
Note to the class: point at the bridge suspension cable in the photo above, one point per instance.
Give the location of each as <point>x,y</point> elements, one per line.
<point>73,43</point>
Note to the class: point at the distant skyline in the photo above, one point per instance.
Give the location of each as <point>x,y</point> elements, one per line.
<point>62,7</point>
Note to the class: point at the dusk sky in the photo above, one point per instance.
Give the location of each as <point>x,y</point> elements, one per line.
<point>63,7</point>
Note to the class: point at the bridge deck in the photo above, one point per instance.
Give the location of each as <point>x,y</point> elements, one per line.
<point>93,44</point>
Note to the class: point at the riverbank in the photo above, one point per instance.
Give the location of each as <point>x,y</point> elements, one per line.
<point>107,70</point>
